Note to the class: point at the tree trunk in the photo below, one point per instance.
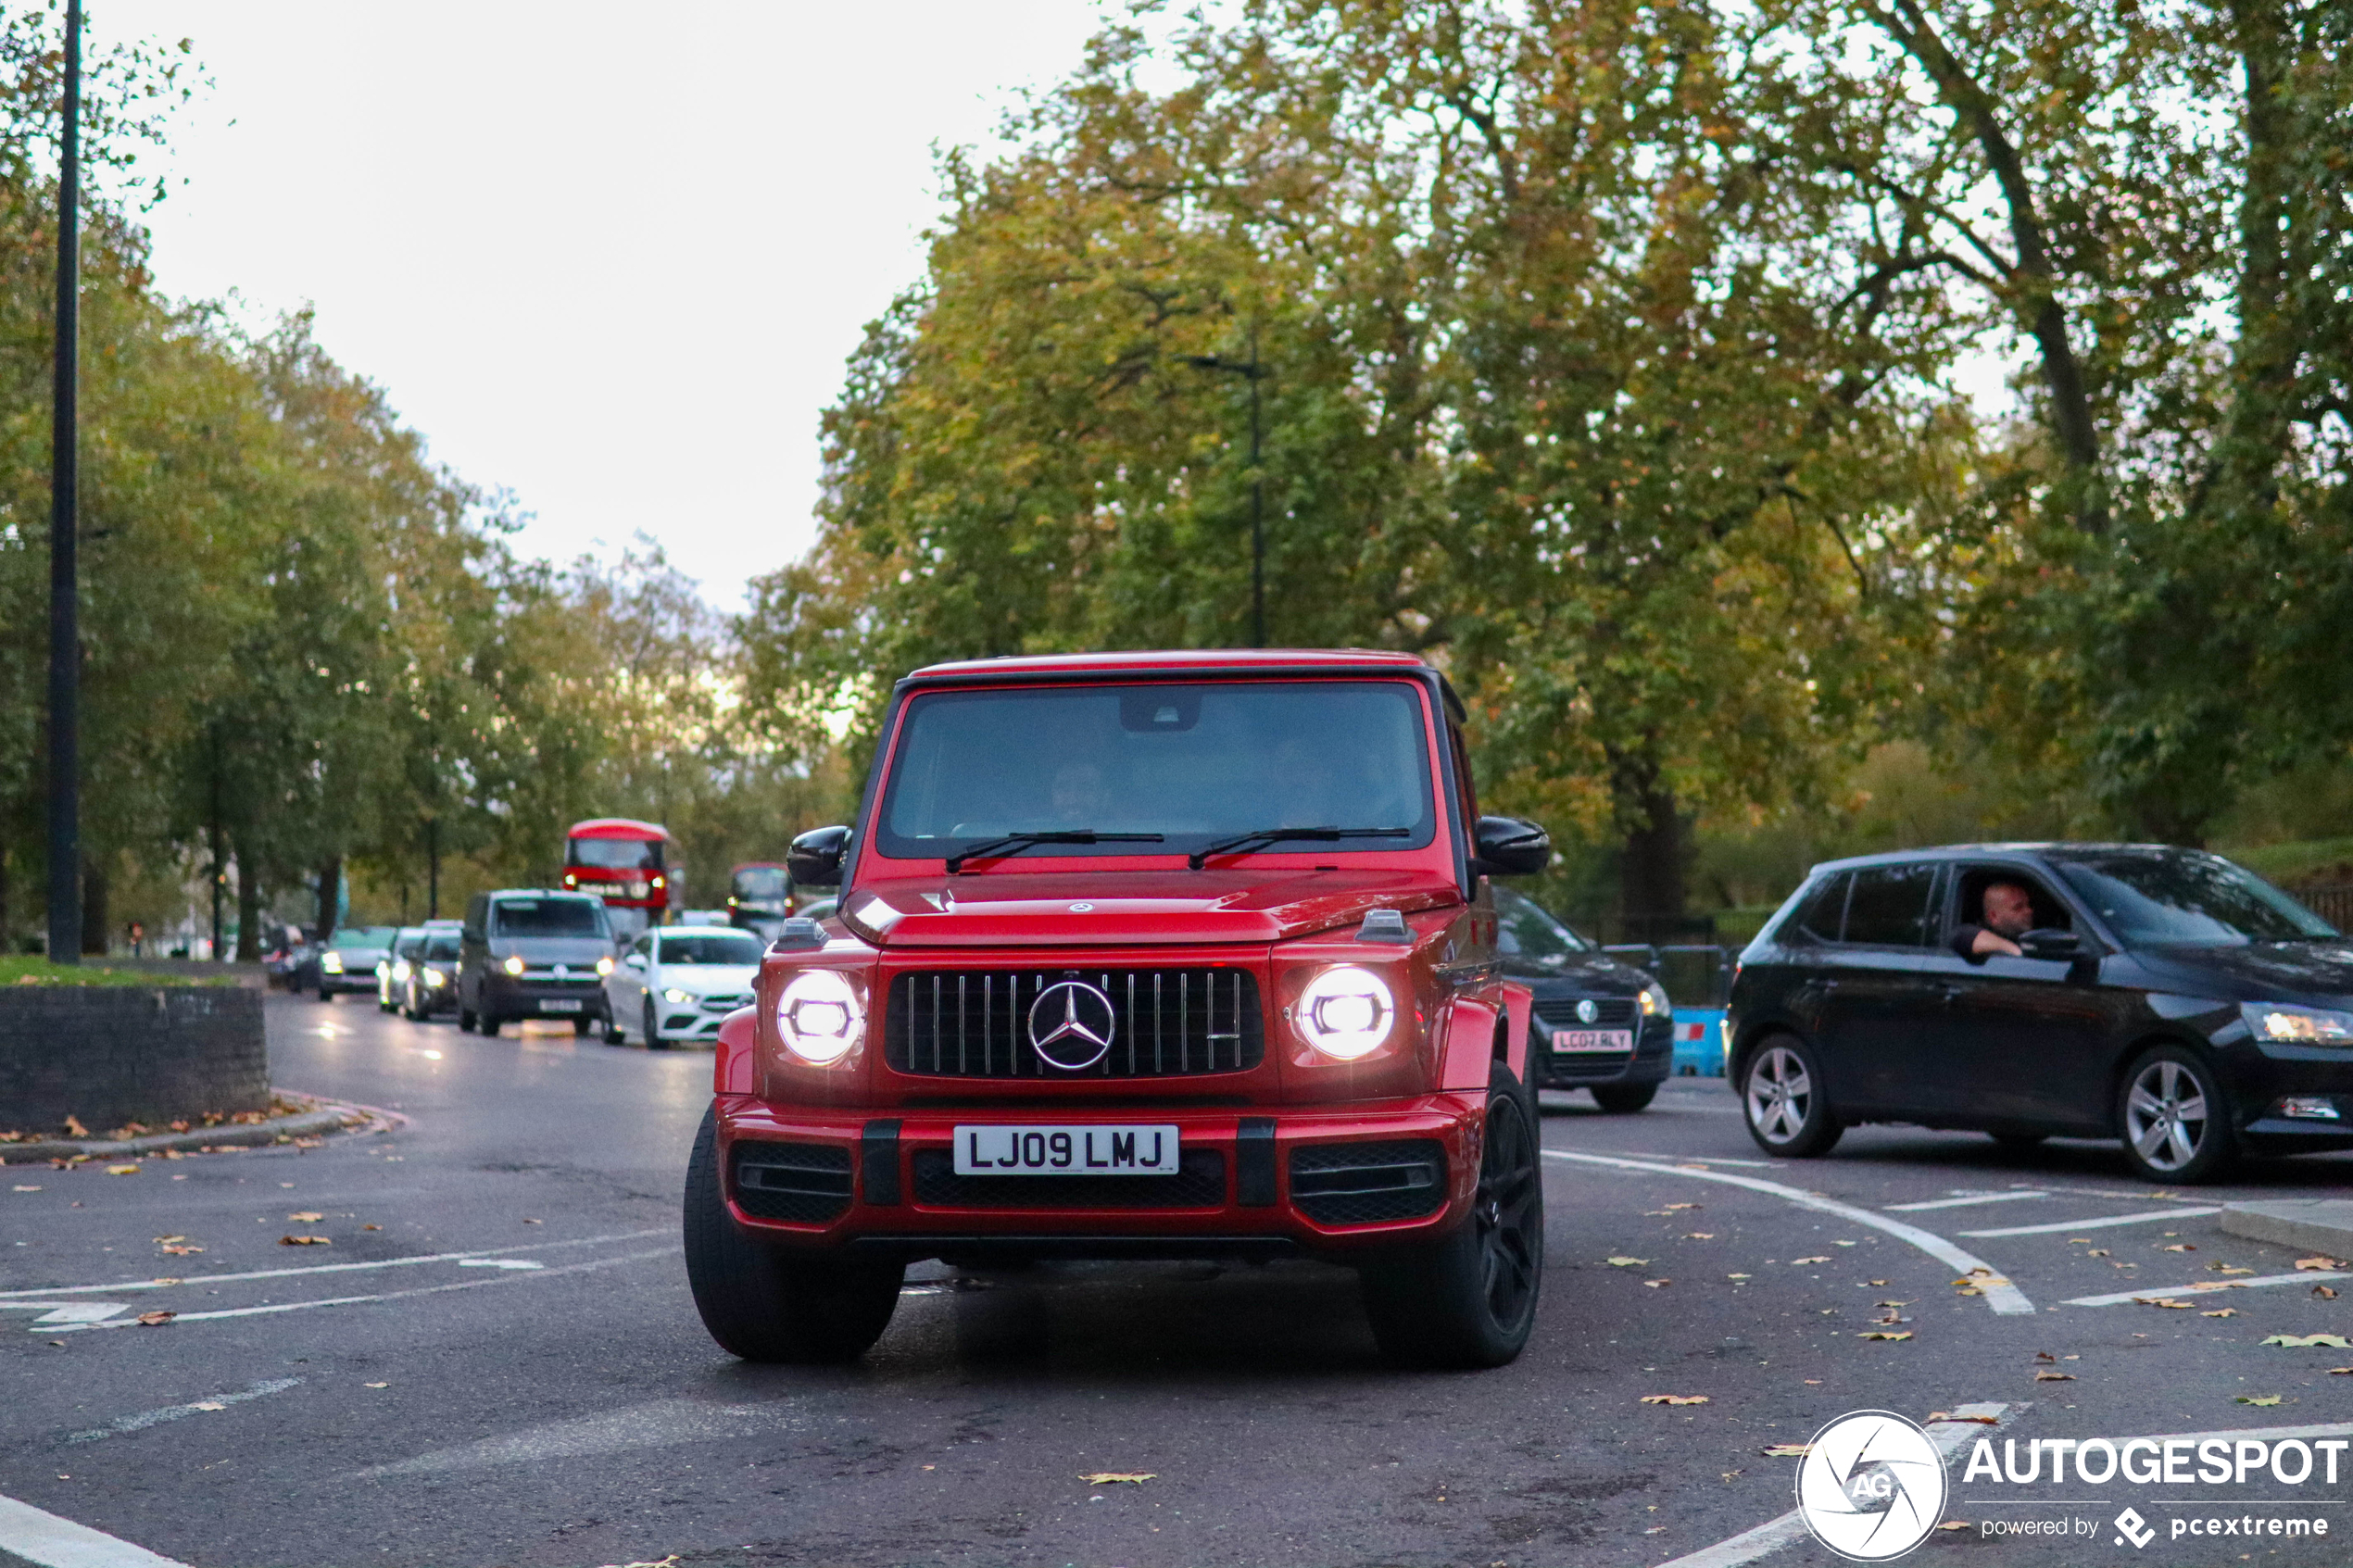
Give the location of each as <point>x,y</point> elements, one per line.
<point>248,906</point>
<point>93,904</point>
<point>1656,856</point>
<point>330,896</point>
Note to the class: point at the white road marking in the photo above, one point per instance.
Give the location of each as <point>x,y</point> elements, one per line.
<point>41,1538</point>
<point>660,1423</point>
<point>2150,1218</point>
<point>500,1263</point>
<point>2203,1287</point>
<point>1697,1159</point>
<point>145,1419</point>
<point>2000,1294</point>
<point>2276,1433</point>
<point>11,1296</point>
<point>55,1313</point>
<point>502,1277</point>
<point>1963,1202</point>
<point>1775,1534</point>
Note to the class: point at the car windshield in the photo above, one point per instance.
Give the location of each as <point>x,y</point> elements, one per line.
<point>615,854</point>
<point>2161,896</point>
<point>549,917</point>
<point>441,945</point>
<point>761,881</point>
<point>1192,763</point>
<point>363,936</point>
<point>710,948</point>
<point>1524,929</point>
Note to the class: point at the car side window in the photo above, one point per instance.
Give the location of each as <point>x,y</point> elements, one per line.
<point>1823,916</point>
<point>1969,904</point>
<point>1888,907</point>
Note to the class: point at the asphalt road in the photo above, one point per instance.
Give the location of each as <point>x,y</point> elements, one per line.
<point>548,1397</point>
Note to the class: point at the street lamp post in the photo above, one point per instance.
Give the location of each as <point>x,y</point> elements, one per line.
<point>1253,371</point>
<point>65,637</point>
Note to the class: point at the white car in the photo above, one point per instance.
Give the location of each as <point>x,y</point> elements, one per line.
<point>676,983</point>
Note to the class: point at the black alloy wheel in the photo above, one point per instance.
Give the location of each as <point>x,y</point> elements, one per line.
<point>2173,1117</point>
<point>765,1303</point>
<point>1470,1300</point>
<point>1785,1100</point>
<point>1623,1099</point>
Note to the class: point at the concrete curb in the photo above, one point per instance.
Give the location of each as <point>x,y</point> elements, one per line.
<point>2318,1224</point>
<point>324,1118</point>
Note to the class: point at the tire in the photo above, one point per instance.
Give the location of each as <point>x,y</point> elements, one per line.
<point>1470,1300</point>
<point>487,1024</point>
<point>613,1033</point>
<point>2018,1143</point>
<point>654,1042</point>
<point>764,1304</point>
<point>2173,1117</point>
<point>1623,1099</point>
<point>1784,1099</point>
<point>580,1025</point>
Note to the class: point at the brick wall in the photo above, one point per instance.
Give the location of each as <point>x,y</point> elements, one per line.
<point>115,1054</point>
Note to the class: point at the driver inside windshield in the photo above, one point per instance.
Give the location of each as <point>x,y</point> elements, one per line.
<point>2010,915</point>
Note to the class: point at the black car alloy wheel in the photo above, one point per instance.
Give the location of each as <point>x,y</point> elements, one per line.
<point>1782,1096</point>
<point>2172,1117</point>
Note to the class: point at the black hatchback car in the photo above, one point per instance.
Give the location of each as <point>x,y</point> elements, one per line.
<point>2163,997</point>
<point>1597,1024</point>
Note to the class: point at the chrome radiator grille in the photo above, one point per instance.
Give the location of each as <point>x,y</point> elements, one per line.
<point>1167,1023</point>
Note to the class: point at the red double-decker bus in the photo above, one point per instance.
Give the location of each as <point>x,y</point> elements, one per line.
<point>629,864</point>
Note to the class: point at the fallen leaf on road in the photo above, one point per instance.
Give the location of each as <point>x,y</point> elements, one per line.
<point>1624,1263</point>
<point>207,1405</point>
<point>1728,1475</point>
<point>304,1241</point>
<point>2324,1293</point>
<point>2318,1264</point>
<point>307,1217</point>
<point>1890,1303</point>
<point>2045,1356</point>
<point>1968,1290</point>
<point>1674,1207</point>
<point>2222,1313</point>
<point>1880,1282</point>
<point>1935,1416</point>
<point>23,1188</point>
<point>1842,1244</point>
<point>2160,1301</point>
<point>73,1125</point>
<point>2177,1247</point>
<point>155,1319</point>
<point>167,1240</point>
<point>1114,1477</point>
<point>379,1386</point>
<point>1884,1334</point>
<point>2053,1377</point>
<point>1654,1283</point>
<point>1736,1276</point>
<point>1699,1235</point>
<point>2256,1398</point>
<point>2229,1269</point>
<point>371,1227</point>
<point>535,1222</point>
<point>2097,1253</point>
<point>1788,1450</point>
<point>2341,1371</point>
<point>173,1249</point>
<point>122,1170</point>
<point>2299,1342</point>
<point>1801,1262</point>
<point>1674,1399</point>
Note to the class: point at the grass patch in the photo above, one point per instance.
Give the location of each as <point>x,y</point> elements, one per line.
<point>34,970</point>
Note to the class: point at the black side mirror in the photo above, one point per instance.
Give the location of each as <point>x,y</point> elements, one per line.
<point>814,859</point>
<point>1508,847</point>
<point>2051,945</point>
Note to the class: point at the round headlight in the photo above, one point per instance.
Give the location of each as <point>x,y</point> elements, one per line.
<point>434,977</point>
<point>1345,1011</point>
<point>604,966</point>
<point>819,1016</point>
<point>513,964</point>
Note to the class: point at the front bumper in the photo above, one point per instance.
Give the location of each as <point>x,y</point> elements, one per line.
<point>1650,1061</point>
<point>1330,1182</point>
<point>2260,1075</point>
<point>526,996</point>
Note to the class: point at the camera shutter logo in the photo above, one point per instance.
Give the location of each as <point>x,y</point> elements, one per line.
<point>1872,1486</point>
<point>1070,1024</point>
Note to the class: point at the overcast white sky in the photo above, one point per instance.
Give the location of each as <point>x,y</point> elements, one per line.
<point>609,257</point>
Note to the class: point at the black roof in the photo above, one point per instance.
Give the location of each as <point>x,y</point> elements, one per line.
<point>2031,850</point>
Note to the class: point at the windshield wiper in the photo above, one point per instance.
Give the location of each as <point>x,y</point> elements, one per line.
<point>1264,837</point>
<point>1015,843</point>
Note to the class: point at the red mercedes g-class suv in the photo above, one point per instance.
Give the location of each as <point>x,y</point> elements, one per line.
<point>1162,955</point>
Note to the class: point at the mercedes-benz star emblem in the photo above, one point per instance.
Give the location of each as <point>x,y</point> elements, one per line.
<point>1071,1025</point>
<point>1586,1010</point>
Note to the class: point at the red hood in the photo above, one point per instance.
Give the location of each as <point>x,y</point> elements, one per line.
<point>1098,908</point>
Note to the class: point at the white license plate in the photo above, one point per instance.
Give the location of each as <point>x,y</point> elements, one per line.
<point>1098,1150</point>
<point>574,1005</point>
<point>1593,1040</point>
